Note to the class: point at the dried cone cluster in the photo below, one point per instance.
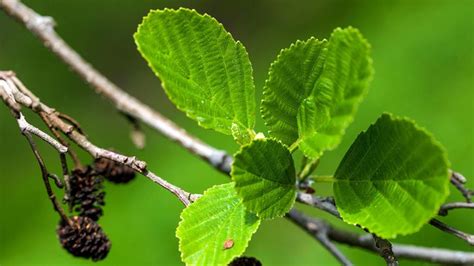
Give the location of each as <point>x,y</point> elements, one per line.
<point>83,237</point>
<point>245,261</point>
<point>87,195</point>
<point>113,171</point>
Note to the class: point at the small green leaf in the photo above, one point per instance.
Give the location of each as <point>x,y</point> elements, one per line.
<point>393,179</point>
<point>314,89</point>
<point>265,178</point>
<point>204,71</point>
<point>216,228</point>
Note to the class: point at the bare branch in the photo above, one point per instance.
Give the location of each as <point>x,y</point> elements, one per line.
<point>443,211</point>
<point>43,28</point>
<point>45,175</point>
<point>450,230</point>
<point>366,241</point>
<point>27,127</point>
<point>458,181</point>
<point>326,204</point>
<point>319,230</point>
<point>24,97</point>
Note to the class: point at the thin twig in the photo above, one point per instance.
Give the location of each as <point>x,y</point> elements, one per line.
<point>318,229</point>
<point>326,204</point>
<point>453,231</point>
<point>59,137</point>
<point>20,94</point>
<point>443,211</point>
<point>366,241</point>
<point>27,127</point>
<point>45,174</point>
<point>67,181</point>
<point>458,181</point>
<point>43,28</point>
<point>71,121</point>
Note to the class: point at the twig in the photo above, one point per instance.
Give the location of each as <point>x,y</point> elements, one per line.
<point>326,204</point>
<point>45,174</point>
<point>319,230</point>
<point>448,229</point>
<point>20,94</point>
<point>443,211</point>
<point>58,136</point>
<point>366,241</point>
<point>43,28</point>
<point>458,181</point>
<point>67,181</point>
<point>71,121</point>
<point>27,127</point>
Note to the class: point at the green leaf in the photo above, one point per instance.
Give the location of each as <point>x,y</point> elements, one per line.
<point>314,89</point>
<point>265,178</point>
<point>393,179</point>
<point>204,71</point>
<point>216,228</point>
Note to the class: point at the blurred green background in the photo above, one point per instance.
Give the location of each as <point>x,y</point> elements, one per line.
<point>424,61</point>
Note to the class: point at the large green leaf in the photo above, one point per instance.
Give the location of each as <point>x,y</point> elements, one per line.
<point>204,71</point>
<point>216,228</point>
<point>314,89</point>
<point>393,179</point>
<point>265,178</point>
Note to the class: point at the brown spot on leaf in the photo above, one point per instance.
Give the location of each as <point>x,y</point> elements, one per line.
<point>229,243</point>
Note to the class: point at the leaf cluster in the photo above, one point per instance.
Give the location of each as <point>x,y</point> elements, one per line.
<point>391,181</point>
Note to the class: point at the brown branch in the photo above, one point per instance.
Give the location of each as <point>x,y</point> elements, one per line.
<point>25,98</point>
<point>43,28</point>
<point>366,241</point>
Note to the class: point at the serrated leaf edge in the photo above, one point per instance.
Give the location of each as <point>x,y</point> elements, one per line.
<point>182,220</point>
<point>163,84</point>
<point>441,200</point>
<point>232,176</point>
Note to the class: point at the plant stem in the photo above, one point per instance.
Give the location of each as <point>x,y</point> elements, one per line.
<point>323,178</point>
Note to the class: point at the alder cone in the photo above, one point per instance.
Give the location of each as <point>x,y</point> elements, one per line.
<point>83,238</point>
<point>87,195</point>
<point>245,261</point>
<point>113,171</point>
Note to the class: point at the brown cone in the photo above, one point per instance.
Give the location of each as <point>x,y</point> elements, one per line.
<point>245,261</point>
<point>113,171</point>
<point>84,238</point>
<point>87,195</point>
